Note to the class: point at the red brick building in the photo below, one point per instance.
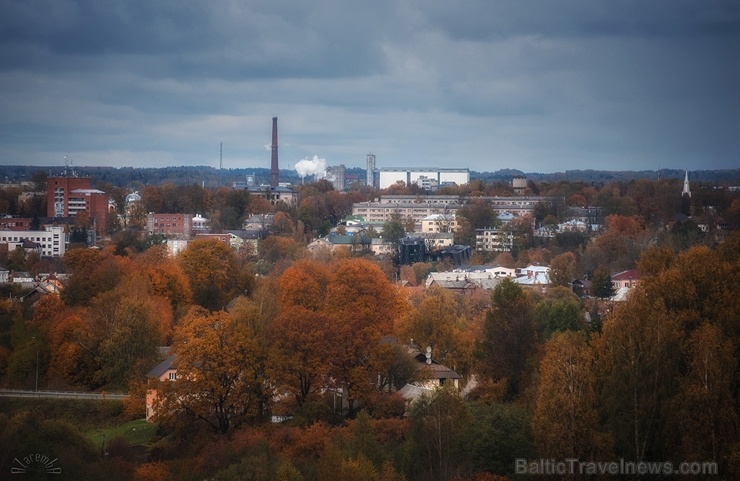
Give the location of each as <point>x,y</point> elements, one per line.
<point>171,225</point>
<point>67,196</point>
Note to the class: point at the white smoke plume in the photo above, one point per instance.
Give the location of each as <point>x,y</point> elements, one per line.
<point>315,167</point>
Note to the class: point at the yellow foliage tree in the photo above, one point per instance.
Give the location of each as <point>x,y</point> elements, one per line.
<point>566,421</point>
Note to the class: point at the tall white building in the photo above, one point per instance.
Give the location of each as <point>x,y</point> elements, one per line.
<point>370,169</point>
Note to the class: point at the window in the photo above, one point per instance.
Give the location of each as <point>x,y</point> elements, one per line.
<point>173,376</point>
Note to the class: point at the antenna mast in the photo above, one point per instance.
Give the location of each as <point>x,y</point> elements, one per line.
<point>68,171</point>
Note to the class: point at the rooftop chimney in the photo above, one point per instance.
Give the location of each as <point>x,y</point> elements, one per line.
<point>274,173</point>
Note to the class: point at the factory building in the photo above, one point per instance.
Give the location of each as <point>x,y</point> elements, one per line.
<point>433,178</point>
<point>336,175</point>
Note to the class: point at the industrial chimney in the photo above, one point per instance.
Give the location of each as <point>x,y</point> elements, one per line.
<point>274,173</point>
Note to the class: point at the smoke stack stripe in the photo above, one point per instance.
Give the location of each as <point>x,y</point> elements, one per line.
<point>274,173</point>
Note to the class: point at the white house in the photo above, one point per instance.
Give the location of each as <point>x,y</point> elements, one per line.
<point>534,276</point>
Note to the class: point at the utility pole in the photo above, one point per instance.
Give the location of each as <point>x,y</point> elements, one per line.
<point>37,362</point>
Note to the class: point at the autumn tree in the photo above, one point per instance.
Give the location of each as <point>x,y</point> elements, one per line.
<point>664,354</point>
<point>215,367</point>
<point>275,248</point>
<point>476,215</point>
<point>394,231</point>
<point>601,284</point>
<point>338,205</point>
<point>560,310</point>
<point>620,243</point>
<point>563,269</point>
<point>282,224</point>
<point>636,359</point>
<point>124,327</point>
<point>251,313</point>
<point>303,331</point>
<point>494,435</point>
<point>364,305</point>
<point>566,419</point>
<point>93,272</point>
<point>421,271</point>
<point>437,430</point>
<point>704,410</point>
<point>136,216</point>
<point>164,275</point>
<point>505,259</point>
<point>312,211</point>
<point>214,274</point>
<point>23,345</point>
<point>72,346</point>
<point>433,321</point>
<point>509,338</point>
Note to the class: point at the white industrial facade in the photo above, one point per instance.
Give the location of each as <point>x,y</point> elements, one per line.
<point>389,176</point>
<point>51,240</point>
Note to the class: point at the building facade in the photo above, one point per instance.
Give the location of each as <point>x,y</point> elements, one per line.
<point>68,196</point>
<point>336,175</point>
<point>494,240</point>
<point>441,177</point>
<point>416,208</point>
<point>275,194</point>
<point>51,241</point>
<point>170,225</point>
<point>439,223</point>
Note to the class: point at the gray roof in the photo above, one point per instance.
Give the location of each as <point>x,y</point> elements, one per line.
<point>411,391</point>
<point>439,371</point>
<point>246,233</point>
<point>162,367</point>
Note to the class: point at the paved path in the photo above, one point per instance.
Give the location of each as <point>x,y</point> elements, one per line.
<point>61,394</point>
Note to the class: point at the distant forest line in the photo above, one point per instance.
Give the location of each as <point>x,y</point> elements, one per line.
<point>134,177</point>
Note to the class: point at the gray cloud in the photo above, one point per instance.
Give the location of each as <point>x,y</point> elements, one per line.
<point>539,85</point>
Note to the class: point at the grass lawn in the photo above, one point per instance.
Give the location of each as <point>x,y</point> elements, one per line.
<point>137,433</point>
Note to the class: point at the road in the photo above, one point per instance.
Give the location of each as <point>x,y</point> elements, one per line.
<point>61,394</point>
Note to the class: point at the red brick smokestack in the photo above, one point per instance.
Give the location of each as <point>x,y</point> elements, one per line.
<point>274,173</point>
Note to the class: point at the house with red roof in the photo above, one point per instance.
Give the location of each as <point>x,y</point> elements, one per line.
<point>629,279</point>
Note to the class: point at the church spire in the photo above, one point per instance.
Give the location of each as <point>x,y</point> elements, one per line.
<point>686,190</point>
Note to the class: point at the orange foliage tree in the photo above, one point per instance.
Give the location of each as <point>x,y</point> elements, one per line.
<point>364,305</point>
<point>329,327</point>
<point>303,331</point>
<point>217,381</point>
<point>93,272</point>
<point>164,275</point>
<point>213,270</point>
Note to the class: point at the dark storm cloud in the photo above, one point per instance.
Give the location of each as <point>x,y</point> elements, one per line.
<point>537,85</point>
<point>485,20</point>
<point>191,39</point>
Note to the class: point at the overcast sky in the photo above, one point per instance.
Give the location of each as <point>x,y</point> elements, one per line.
<point>540,86</point>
